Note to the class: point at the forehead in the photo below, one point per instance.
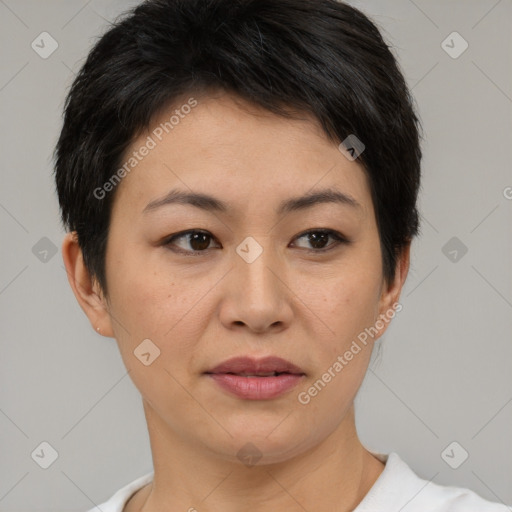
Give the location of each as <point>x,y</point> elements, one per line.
<point>221,145</point>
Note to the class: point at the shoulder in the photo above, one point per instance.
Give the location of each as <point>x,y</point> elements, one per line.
<point>456,499</point>
<point>399,488</point>
<point>117,502</point>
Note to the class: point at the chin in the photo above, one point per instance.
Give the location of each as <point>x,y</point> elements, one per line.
<point>264,443</point>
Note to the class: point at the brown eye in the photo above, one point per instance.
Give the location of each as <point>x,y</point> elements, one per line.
<point>192,241</point>
<point>318,239</point>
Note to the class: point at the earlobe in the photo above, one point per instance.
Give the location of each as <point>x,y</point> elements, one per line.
<point>391,291</point>
<point>87,290</point>
<point>402,269</point>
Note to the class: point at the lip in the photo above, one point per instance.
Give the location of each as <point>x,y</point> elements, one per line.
<point>257,365</point>
<point>231,375</point>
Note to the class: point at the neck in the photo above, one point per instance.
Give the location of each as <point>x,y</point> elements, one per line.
<point>334,475</point>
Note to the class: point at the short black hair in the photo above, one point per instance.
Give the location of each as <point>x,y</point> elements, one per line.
<point>319,57</point>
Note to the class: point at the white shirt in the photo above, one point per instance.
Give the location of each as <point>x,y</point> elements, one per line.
<point>398,488</point>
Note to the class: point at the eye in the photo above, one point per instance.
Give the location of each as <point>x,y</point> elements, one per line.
<point>318,238</point>
<point>198,240</point>
<point>194,241</point>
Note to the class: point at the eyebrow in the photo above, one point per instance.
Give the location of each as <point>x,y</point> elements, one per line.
<point>210,203</point>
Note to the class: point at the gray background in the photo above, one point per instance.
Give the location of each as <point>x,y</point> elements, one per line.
<point>444,374</point>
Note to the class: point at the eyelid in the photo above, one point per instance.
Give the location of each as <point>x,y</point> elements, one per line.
<point>336,235</point>
<point>339,238</point>
<point>182,234</point>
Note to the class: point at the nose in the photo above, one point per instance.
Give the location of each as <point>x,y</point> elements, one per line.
<point>257,295</point>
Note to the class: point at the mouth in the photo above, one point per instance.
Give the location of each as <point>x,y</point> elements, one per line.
<point>252,367</point>
<point>256,379</point>
<point>268,374</point>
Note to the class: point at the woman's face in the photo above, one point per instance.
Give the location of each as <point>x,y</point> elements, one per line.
<point>250,284</point>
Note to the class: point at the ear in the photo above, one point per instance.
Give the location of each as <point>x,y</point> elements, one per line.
<point>390,294</point>
<point>87,291</point>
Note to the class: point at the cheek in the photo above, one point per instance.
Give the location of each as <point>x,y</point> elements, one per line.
<point>346,302</point>
<point>341,359</point>
<point>147,305</point>
<point>139,290</point>
<point>152,300</point>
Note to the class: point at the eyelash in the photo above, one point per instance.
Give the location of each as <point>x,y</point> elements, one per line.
<point>338,237</point>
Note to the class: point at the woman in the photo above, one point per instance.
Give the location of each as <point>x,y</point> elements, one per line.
<point>239,182</point>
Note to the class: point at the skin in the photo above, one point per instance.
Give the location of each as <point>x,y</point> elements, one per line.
<point>304,306</point>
